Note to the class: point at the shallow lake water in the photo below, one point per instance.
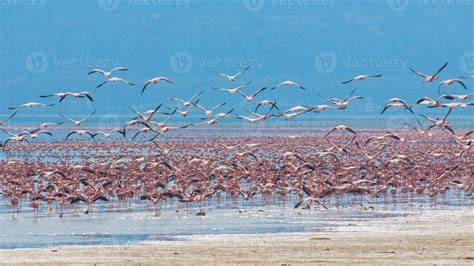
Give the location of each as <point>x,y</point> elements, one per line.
<point>138,223</point>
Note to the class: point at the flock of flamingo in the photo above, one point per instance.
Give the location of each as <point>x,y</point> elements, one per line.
<point>429,160</point>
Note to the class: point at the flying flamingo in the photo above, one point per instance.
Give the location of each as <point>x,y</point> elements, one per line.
<point>288,83</point>
<point>428,78</point>
<point>80,133</point>
<point>188,102</point>
<point>114,80</point>
<point>3,121</point>
<point>265,103</point>
<point>106,74</point>
<point>440,123</point>
<point>208,113</point>
<point>250,97</point>
<point>77,122</point>
<point>342,104</point>
<point>362,77</point>
<point>396,103</point>
<point>313,196</point>
<point>341,127</point>
<point>214,119</point>
<point>233,90</point>
<point>14,137</point>
<point>449,82</point>
<point>155,81</point>
<point>232,77</point>
<point>30,105</point>
<point>63,95</point>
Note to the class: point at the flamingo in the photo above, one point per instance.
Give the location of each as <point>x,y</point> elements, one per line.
<point>341,127</point>
<point>457,96</point>
<point>106,74</point>
<point>155,81</point>
<point>214,119</point>
<point>448,82</point>
<point>250,97</point>
<point>35,133</point>
<point>77,122</point>
<point>362,77</point>
<point>265,103</point>
<point>440,123</point>
<point>144,119</point>
<point>288,83</point>
<point>430,102</point>
<point>208,113</point>
<point>257,117</point>
<point>233,90</point>
<point>428,78</point>
<point>342,104</point>
<point>3,121</point>
<point>188,102</point>
<point>114,80</point>
<point>14,137</point>
<point>30,105</point>
<point>80,133</point>
<point>232,77</point>
<point>89,200</point>
<point>396,103</point>
<point>63,95</point>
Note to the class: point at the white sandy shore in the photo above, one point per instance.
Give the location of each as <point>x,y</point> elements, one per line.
<point>441,237</point>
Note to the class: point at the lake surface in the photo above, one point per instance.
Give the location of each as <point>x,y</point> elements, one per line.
<point>138,223</point>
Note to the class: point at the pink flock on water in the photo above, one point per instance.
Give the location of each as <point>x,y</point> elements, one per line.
<point>299,169</point>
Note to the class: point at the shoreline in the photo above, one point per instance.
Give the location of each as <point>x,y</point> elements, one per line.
<point>413,239</point>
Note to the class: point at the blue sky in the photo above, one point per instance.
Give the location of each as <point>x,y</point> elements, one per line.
<point>49,46</point>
